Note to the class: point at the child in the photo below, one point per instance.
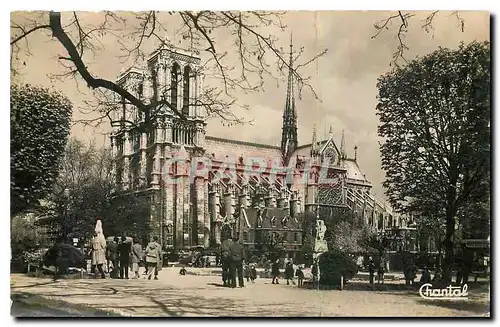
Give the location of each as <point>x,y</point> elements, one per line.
<point>253,273</point>
<point>300,276</point>
<point>246,271</point>
<point>275,271</point>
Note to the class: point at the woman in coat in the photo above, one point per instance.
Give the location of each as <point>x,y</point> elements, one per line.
<point>99,252</point>
<point>137,255</point>
<point>289,273</point>
<point>275,271</point>
<point>153,257</point>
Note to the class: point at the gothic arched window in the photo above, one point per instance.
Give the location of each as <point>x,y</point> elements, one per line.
<point>185,90</point>
<point>174,80</point>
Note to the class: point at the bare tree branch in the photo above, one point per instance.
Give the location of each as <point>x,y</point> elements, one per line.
<point>26,33</point>
<point>246,74</point>
<point>427,25</point>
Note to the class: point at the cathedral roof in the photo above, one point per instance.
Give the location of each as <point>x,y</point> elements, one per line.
<point>222,148</point>
<point>353,170</point>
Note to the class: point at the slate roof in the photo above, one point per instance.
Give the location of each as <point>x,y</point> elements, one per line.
<point>234,149</point>
<point>353,170</point>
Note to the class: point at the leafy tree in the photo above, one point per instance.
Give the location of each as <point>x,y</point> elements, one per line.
<point>128,215</point>
<point>23,236</point>
<point>475,216</point>
<point>84,191</point>
<point>347,235</point>
<point>242,68</point>
<point>39,122</point>
<point>435,123</point>
<point>334,264</point>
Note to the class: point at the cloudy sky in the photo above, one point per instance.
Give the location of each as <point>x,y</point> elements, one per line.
<point>344,79</point>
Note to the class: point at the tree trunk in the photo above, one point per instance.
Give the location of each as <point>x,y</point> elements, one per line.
<point>448,245</point>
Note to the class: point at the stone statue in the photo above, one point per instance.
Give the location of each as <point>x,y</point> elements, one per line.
<point>320,244</point>
<point>99,231</point>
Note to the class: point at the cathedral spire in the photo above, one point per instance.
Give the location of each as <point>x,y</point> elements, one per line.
<point>314,141</point>
<point>343,154</point>
<point>289,140</point>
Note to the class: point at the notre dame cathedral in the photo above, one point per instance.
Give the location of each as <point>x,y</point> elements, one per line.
<point>198,209</point>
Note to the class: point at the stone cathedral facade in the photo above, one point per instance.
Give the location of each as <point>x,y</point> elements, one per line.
<point>201,187</point>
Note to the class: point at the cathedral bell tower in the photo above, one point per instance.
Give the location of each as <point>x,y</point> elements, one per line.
<point>289,140</point>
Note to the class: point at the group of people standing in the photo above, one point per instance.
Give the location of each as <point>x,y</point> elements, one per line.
<point>380,270</point>
<point>123,254</point>
<point>233,256</point>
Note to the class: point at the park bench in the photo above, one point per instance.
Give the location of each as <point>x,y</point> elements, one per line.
<point>34,269</point>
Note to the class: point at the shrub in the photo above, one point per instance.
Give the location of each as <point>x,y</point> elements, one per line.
<point>334,264</point>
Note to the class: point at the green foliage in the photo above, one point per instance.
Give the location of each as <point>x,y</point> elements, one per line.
<point>434,116</point>
<point>334,264</point>
<point>25,239</point>
<point>87,176</point>
<point>348,234</point>
<point>39,121</point>
<point>128,215</point>
<point>435,120</point>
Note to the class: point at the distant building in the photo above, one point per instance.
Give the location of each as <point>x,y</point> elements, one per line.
<point>258,192</point>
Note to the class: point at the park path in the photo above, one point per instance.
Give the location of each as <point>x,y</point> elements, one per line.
<point>190,295</point>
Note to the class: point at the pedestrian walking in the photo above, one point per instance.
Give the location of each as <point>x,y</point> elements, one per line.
<point>381,271</point>
<point>413,274</point>
<point>124,250</point>
<point>236,264</point>
<point>226,260</point>
<point>315,273</point>
<point>371,270</point>
<point>300,276</point>
<point>137,255</point>
<point>55,255</point>
<point>289,273</point>
<point>153,258</point>
<point>246,271</point>
<point>112,256</point>
<point>275,271</point>
<point>253,273</point>
<point>99,253</point>
<point>426,276</point>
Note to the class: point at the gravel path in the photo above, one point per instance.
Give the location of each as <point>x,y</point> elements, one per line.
<point>189,295</point>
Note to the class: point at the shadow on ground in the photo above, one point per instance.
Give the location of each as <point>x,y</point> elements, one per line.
<point>160,301</point>
<point>478,301</point>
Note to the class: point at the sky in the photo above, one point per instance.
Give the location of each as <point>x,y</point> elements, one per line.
<point>344,79</point>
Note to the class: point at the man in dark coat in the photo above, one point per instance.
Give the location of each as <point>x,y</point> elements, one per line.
<point>236,263</point>
<point>371,270</point>
<point>289,273</point>
<point>112,256</point>
<point>226,260</point>
<point>54,256</point>
<point>124,249</point>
